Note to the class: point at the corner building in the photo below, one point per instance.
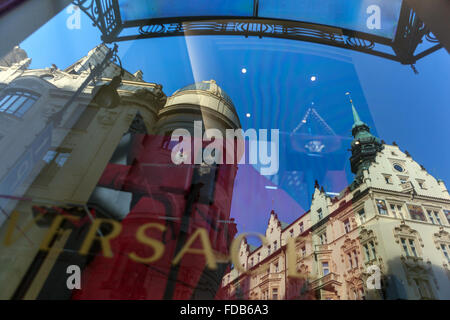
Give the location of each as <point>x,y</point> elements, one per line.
<point>386,236</point>
<point>106,164</point>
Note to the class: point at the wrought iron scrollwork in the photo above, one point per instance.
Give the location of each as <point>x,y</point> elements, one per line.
<point>411,31</point>
<point>431,37</point>
<point>103,13</point>
<point>355,42</point>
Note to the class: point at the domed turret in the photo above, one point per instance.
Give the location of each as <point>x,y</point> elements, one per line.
<point>202,101</point>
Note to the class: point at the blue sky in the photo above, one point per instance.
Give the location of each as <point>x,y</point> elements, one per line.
<point>400,106</point>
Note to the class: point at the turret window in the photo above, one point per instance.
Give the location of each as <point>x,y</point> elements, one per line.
<point>382,208</point>
<point>397,211</point>
<point>416,213</point>
<point>434,217</point>
<point>447,215</point>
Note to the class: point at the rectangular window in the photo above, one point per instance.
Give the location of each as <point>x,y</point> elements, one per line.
<point>275,294</point>
<point>397,211</point>
<point>275,246</point>
<point>268,250</point>
<point>323,238</point>
<point>366,252</point>
<point>423,288</point>
<point>350,260</point>
<point>430,216</point>
<point>421,184</point>
<point>303,251</point>
<point>325,268</point>
<point>445,252</point>
<point>276,268</point>
<point>405,246</point>
<point>291,233</point>
<point>438,219</point>
<point>55,160</point>
<point>388,179</point>
<point>362,216</point>
<point>347,226</point>
<point>382,208</point>
<point>416,213</point>
<point>409,247</point>
<point>301,227</point>
<point>355,255</point>
<point>447,215</point>
<point>403,180</point>
<point>412,245</point>
<point>320,214</point>
<point>374,252</point>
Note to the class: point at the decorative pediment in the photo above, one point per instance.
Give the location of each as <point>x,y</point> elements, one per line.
<point>303,269</point>
<point>441,237</point>
<point>366,235</point>
<point>418,269</point>
<point>403,230</point>
<point>350,244</point>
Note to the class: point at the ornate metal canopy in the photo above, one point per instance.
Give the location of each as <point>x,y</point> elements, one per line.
<point>412,39</point>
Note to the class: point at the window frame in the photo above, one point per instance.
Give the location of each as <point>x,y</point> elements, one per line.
<point>12,96</point>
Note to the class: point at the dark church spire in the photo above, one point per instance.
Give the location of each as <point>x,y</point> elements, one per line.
<point>365,147</point>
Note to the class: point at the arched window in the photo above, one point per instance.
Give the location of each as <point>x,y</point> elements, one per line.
<point>17,102</point>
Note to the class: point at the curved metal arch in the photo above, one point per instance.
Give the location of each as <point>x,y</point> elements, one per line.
<point>411,31</point>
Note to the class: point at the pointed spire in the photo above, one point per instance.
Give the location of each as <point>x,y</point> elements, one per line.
<point>356,118</point>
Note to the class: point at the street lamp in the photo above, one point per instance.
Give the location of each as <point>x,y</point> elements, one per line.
<point>106,96</point>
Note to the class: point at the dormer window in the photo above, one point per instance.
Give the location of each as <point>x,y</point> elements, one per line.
<point>403,180</point>
<point>387,178</point>
<point>421,183</point>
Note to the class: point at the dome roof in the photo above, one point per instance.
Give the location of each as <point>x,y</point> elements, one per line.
<point>211,87</point>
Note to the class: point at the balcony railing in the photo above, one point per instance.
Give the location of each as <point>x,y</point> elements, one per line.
<point>321,247</point>
<point>271,277</point>
<point>329,279</point>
